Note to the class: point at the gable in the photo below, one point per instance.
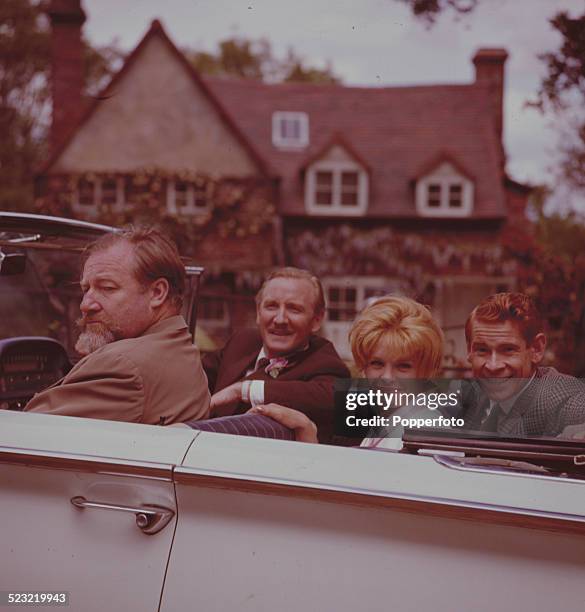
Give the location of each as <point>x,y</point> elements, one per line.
<point>156,116</point>
<point>444,170</point>
<point>337,154</point>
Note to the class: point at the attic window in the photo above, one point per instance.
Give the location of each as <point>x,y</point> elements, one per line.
<point>445,192</point>
<point>434,195</point>
<point>290,130</point>
<point>455,195</point>
<point>336,188</point>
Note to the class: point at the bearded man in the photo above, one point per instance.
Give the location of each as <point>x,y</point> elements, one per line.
<point>140,363</point>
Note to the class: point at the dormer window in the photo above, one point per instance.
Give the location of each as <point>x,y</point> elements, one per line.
<point>444,192</point>
<point>336,188</point>
<point>290,130</point>
<point>336,182</point>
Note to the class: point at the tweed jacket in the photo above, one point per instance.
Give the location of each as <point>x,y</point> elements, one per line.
<point>156,378</point>
<point>306,384</point>
<point>551,402</point>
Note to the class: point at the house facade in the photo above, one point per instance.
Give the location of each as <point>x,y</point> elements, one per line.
<point>375,190</point>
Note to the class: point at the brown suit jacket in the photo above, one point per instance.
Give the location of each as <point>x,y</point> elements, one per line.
<point>156,378</point>
<point>306,384</point>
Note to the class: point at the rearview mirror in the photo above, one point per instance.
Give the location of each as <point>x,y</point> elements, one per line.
<point>12,264</point>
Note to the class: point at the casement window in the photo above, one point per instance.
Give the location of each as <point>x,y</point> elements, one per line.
<point>186,198</point>
<point>341,303</point>
<point>93,195</point>
<point>109,192</point>
<point>444,193</point>
<point>86,193</point>
<point>290,130</point>
<point>346,297</point>
<point>336,188</point>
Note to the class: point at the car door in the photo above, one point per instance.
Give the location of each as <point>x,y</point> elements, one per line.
<point>269,525</point>
<point>119,476</point>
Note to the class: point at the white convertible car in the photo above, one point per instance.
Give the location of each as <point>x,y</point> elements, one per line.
<point>128,517</point>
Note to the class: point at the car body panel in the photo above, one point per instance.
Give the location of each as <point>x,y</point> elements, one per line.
<point>94,438</point>
<point>304,527</point>
<point>386,474</point>
<point>100,556</point>
<point>265,524</point>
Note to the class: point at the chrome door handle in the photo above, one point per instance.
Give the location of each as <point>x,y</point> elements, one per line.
<point>150,519</point>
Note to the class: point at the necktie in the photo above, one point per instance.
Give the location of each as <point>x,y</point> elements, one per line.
<point>490,423</point>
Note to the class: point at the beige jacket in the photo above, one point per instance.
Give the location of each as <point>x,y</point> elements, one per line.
<point>156,378</point>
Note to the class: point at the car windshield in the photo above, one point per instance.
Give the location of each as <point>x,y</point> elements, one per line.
<point>39,277</point>
<point>41,297</point>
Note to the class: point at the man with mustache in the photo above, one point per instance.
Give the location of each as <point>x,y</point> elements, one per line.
<point>140,363</point>
<point>283,360</point>
<point>513,394</point>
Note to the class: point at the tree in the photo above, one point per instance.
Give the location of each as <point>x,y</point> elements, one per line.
<point>429,10</point>
<point>25,109</point>
<point>254,59</point>
<point>563,89</point>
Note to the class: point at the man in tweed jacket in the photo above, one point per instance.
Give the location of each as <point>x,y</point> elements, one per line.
<point>513,395</point>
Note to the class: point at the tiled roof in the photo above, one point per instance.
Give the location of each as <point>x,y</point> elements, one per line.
<point>397,131</point>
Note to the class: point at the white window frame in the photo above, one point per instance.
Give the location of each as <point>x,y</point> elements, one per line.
<point>119,203</point>
<point>190,209</point>
<point>97,197</point>
<point>283,142</point>
<point>336,208</point>
<point>337,331</point>
<point>77,206</point>
<point>445,179</point>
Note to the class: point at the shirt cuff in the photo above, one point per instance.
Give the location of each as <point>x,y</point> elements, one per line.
<point>255,392</point>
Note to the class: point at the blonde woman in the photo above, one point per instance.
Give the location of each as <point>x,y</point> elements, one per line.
<point>393,338</point>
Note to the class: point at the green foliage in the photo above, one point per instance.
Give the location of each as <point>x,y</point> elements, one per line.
<point>254,59</point>
<point>298,73</point>
<point>232,208</point>
<point>236,56</point>
<point>551,268</point>
<point>429,10</point>
<point>24,46</point>
<point>565,67</point>
<point>563,91</point>
<point>99,65</point>
<point>25,98</point>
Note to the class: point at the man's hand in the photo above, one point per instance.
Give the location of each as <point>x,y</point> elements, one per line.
<point>573,432</point>
<point>305,430</point>
<point>230,396</point>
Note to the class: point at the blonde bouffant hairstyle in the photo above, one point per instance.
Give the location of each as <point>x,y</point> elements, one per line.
<point>407,330</point>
